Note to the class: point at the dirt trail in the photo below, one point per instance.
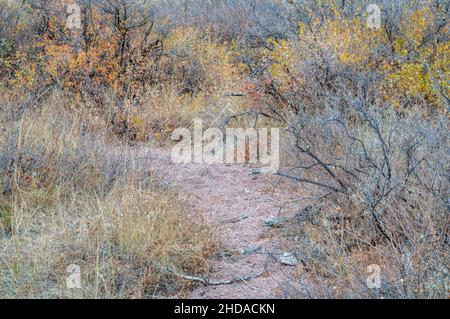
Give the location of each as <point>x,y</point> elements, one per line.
<point>236,203</point>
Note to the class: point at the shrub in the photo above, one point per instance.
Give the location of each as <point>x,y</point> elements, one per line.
<point>379,180</point>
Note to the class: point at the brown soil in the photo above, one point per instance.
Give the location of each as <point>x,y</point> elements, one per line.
<point>235,203</point>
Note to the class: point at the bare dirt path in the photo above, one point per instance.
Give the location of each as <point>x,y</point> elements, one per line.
<point>235,203</point>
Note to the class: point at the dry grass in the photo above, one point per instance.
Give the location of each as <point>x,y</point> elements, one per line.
<point>391,210</point>
<point>69,198</point>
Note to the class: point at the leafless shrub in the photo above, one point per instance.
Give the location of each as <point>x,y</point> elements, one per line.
<point>382,185</point>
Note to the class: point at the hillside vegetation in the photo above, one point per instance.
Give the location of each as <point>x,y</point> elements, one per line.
<point>364,113</point>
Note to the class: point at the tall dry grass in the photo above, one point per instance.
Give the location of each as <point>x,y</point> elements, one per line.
<point>68,196</point>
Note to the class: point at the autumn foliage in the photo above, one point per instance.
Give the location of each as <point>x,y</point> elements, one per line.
<point>121,49</point>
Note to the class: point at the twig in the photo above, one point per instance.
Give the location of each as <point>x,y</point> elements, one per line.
<point>234,94</point>
<point>256,288</point>
<point>304,180</point>
<point>234,220</point>
<point>255,112</point>
<point>208,281</point>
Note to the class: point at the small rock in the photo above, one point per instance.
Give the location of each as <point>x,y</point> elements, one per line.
<point>288,259</point>
<point>250,249</point>
<point>273,221</point>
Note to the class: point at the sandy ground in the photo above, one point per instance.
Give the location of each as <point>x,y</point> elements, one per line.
<point>235,203</point>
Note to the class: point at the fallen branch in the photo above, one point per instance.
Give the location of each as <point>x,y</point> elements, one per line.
<point>256,288</point>
<point>234,94</point>
<point>210,282</point>
<point>234,220</point>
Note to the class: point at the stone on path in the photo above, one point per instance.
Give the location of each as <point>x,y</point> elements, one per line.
<point>288,259</point>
